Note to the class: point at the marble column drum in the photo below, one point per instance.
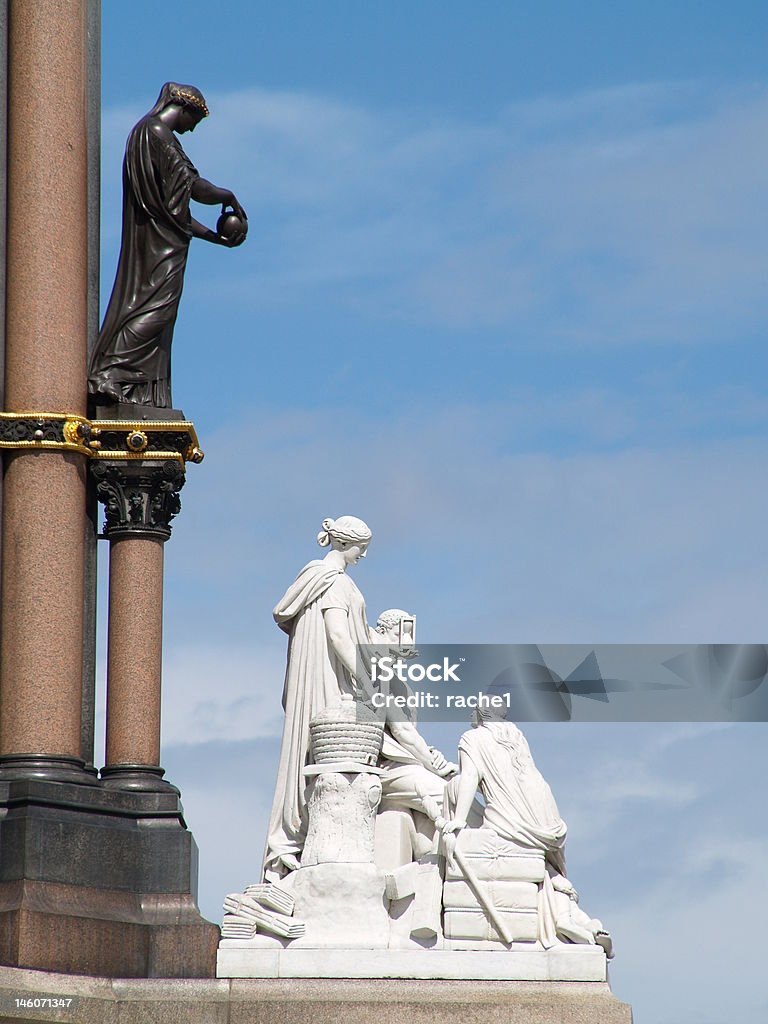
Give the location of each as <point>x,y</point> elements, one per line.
<point>45,370</point>
<point>135,656</point>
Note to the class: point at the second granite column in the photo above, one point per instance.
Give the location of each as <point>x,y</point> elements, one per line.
<point>135,658</point>
<point>140,499</point>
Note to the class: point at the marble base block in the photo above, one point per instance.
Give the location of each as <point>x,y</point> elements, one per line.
<point>564,962</point>
<point>341,905</point>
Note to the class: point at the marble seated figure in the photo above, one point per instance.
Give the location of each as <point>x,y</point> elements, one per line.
<point>414,773</point>
<point>520,810</point>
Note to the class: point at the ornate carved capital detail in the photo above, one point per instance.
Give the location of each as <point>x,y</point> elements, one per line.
<point>140,497</point>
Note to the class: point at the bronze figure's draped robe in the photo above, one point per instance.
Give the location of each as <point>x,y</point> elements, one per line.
<point>133,353</point>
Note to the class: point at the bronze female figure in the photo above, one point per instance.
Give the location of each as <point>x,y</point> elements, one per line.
<point>131,361</point>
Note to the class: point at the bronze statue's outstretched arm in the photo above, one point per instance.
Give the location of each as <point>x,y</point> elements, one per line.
<point>206,192</point>
<point>209,194</point>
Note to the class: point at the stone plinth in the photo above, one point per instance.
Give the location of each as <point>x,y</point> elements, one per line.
<point>99,882</point>
<point>312,1001</point>
<point>564,962</point>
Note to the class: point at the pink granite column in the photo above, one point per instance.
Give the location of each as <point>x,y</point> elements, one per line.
<point>135,655</point>
<point>140,497</point>
<point>45,371</point>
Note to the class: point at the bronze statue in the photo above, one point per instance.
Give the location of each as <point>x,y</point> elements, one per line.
<point>131,361</point>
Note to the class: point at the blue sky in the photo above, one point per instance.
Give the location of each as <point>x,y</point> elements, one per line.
<point>503,297</point>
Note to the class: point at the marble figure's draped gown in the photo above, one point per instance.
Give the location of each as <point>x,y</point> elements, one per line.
<point>519,805</point>
<point>133,352</point>
<point>314,678</point>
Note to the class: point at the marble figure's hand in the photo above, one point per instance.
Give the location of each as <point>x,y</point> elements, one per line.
<point>449,770</point>
<point>449,845</point>
<point>455,825</point>
<point>438,761</point>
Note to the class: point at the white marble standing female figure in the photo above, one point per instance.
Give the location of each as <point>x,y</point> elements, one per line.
<point>323,613</point>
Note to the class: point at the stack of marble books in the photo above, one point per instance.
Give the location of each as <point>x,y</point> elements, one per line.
<point>510,876</point>
<point>261,908</point>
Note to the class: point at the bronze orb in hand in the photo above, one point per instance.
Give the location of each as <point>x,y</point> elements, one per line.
<point>229,225</point>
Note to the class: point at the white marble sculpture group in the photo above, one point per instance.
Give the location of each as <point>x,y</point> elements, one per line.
<point>378,843</point>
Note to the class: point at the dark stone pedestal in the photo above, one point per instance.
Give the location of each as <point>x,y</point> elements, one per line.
<point>101,882</point>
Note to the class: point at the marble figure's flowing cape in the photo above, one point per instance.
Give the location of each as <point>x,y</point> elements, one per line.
<point>519,805</point>
<point>314,678</point>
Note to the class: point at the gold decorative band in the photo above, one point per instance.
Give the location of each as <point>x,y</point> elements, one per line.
<point>121,440</point>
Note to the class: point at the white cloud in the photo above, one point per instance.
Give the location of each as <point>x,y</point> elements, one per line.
<point>696,937</point>
<point>665,848</point>
<point>219,693</point>
<point>231,828</point>
<point>227,794</point>
<point>687,732</point>
<point>617,784</point>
